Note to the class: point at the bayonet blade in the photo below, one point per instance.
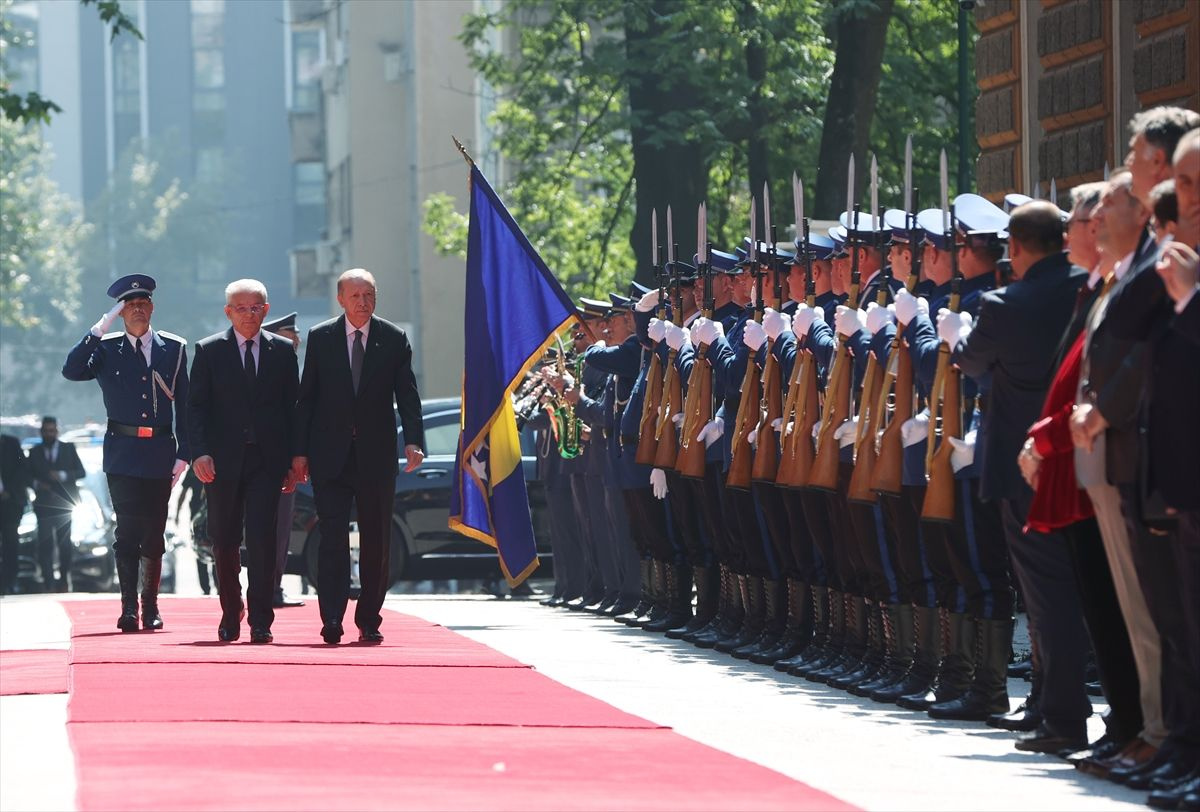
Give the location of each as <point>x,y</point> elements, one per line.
<point>753,230</point>
<point>908,174</point>
<point>1053,191</point>
<point>1106,170</point>
<point>654,237</point>
<point>700,234</point>
<point>874,193</point>
<point>850,186</point>
<point>670,237</point>
<point>767,214</point>
<point>798,205</point>
<point>945,186</point>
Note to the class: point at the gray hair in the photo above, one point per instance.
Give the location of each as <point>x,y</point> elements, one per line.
<point>356,275</point>
<point>245,286</point>
<point>1162,127</point>
<point>1189,140</point>
<point>1086,197</point>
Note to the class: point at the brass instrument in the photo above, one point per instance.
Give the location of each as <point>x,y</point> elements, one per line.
<point>567,426</point>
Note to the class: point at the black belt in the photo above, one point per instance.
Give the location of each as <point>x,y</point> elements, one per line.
<point>138,431</point>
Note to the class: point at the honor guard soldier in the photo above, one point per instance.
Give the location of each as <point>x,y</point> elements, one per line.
<point>143,375</point>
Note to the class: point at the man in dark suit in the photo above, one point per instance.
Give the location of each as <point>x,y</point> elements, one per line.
<point>240,412</point>
<point>355,368</point>
<point>14,495</point>
<point>55,469</point>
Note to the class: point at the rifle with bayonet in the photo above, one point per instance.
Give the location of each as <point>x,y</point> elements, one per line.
<point>667,448</point>
<point>698,406</point>
<point>945,402</point>
<point>823,475</point>
<point>742,454</point>
<point>801,407</point>
<point>770,409</point>
<point>887,477</point>
<point>647,427</point>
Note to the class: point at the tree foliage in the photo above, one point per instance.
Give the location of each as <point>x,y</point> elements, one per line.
<point>606,109</point>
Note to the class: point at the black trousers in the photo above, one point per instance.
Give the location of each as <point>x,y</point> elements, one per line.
<point>141,508</point>
<point>778,529</point>
<point>648,524</point>
<point>1106,628</point>
<point>373,499</point>
<point>913,575</point>
<point>817,510</point>
<point>1168,568</point>
<point>582,546</point>
<point>753,546</point>
<point>946,591</point>
<point>809,567</point>
<point>975,547</point>
<point>246,503</point>
<point>845,546</point>
<point>1042,564</point>
<point>691,539</point>
<point>10,550</point>
<point>625,551</point>
<point>605,530</point>
<point>54,536</point>
<point>707,493</point>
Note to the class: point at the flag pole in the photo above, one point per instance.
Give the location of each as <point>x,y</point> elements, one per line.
<point>463,151</point>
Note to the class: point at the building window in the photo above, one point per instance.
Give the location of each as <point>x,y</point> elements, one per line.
<point>310,184</point>
<point>208,55</point>
<point>126,88</point>
<point>308,214</point>
<point>210,163</point>
<point>308,59</point>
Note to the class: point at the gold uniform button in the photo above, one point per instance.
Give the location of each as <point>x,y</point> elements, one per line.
<point>144,397</point>
<point>143,414</point>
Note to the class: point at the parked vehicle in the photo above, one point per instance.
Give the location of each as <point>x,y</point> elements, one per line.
<point>93,530</point>
<point>423,545</point>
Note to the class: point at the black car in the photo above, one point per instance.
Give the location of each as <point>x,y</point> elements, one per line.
<point>423,545</point>
<point>93,529</point>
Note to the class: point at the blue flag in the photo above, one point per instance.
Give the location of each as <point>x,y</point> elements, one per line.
<point>514,309</point>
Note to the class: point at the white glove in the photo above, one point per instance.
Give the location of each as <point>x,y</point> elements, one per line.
<point>676,336</point>
<point>787,430</point>
<point>845,433</point>
<point>821,315</point>
<point>915,429</point>
<point>953,327</point>
<point>848,321</point>
<point>803,319</point>
<point>774,323</point>
<point>816,429</point>
<point>106,321</point>
<point>964,451</point>
<point>754,335</point>
<point>923,306</point>
<point>878,317</point>
<point>706,331</point>
<point>677,418</point>
<point>648,302</point>
<point>177,472</point>
<point>601,344</point>
<point>658,481</point>
<point>906,306</point>
<point>657,330</point>
<point>711,432</point>
<point>777,424</point>
<point>752,437</point>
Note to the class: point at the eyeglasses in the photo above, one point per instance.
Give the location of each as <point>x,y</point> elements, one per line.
<point>242,310</point>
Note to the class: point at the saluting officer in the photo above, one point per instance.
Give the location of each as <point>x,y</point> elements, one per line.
<point>143,374</point>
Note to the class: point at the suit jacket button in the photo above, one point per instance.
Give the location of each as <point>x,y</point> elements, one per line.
<point>143,414</point>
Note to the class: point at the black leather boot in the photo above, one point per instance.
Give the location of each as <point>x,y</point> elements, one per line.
<point>1027,716</point>
<point>854,643</point>
<point>127,574</point>
<point>926,637</point>
<point>679,600</point>
<point>754,599</point>
<point>707,581</point>
<point>873,657</point>
<point>774,621</point>
<point>818,614</point>
<point>817,658</point>
<point>729,618</point>
<point>988,694</point>
<point>647,598</point>
<point>659,597</point>
<point>151,575</point>
<point>797,627</point>
<point>957,667</point>
<point>897,620</point>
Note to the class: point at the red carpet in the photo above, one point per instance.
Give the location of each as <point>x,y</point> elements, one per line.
<point>288,726</point>
<point>39,671</point>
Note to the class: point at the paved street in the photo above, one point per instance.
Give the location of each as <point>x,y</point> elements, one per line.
<point>873,756</point>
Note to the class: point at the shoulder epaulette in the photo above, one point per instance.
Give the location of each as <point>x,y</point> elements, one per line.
<point>110,336</point>
<point>172,336</point>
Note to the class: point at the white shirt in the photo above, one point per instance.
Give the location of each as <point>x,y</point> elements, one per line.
<point>147,340</point>
<point>257,339</point>
<point>350,328</point>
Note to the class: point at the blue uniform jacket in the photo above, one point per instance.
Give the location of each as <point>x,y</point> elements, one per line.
<point>624,363</point>
<point>135,396</point>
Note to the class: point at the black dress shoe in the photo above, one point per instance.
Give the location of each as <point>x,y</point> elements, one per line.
<point>260,634</point>
<point>1122,775</point>
<point>332,632</point>
<point>1175,769</point>
<point>1022,720</point>
<point>370,636</point>
<point>1046,740</point>
<point>228,634</point>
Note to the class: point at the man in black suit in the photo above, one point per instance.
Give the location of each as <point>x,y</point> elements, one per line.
<point>14,495</point>
<point>240,411</point>
<point>55,469</point>
<point>356,366</point>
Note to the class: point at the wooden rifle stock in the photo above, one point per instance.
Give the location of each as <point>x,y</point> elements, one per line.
<point>667,441</point>
<point>801,412</point>
<point>864,441</point>
<point>766,455</point>
<point>742,460</point>
<point>940,495</point>
<point>888,472</point>
<point>697,413</point>
<point>647,446</point>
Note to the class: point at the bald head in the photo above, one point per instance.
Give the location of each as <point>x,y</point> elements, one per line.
<point>1035,231</point>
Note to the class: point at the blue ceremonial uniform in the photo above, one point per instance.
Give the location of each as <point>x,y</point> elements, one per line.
<point>153,398</point>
